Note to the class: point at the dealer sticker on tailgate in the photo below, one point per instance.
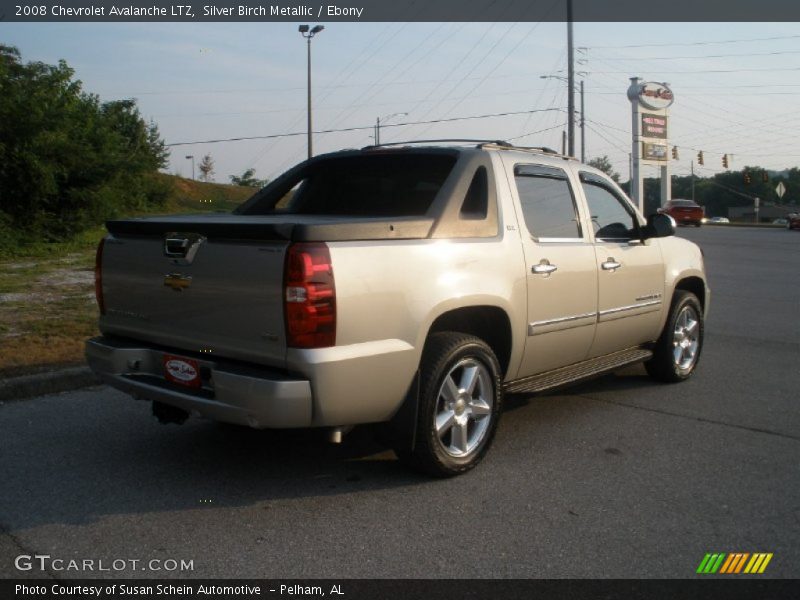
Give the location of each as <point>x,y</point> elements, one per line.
<point>183,371</point>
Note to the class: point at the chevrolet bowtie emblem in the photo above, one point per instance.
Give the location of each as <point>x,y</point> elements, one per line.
<point>177,281</point>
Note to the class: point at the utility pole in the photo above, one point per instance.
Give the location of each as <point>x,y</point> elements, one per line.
<point>570,83</point>
<point>385,119</point>
<point>692,181</point>
<point>630,174</point>
<point>583,127</point>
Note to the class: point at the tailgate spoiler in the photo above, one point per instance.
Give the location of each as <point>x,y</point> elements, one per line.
<point>295,228</point>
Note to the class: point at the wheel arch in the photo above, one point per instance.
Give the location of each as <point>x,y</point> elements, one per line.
<point>489,323</point>
<point>695,285</point>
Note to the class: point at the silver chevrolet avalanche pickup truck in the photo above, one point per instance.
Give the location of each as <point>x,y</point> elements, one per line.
<point>411,285</point>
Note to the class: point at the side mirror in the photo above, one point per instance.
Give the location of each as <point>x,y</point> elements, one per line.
<point>659,225</point>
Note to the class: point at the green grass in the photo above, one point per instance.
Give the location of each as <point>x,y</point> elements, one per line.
<point>198,196</point>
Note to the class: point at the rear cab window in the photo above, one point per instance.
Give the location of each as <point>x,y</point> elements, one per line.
<point>380,185</point>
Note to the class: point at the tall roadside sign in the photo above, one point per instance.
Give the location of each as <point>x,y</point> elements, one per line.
<point>650,102</point>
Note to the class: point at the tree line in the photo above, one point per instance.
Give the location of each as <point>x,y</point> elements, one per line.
<point>67,160</point>
<point>721,191</point>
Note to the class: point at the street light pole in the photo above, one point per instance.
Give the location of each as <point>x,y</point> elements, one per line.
<point>308,87</point>
<point>378,125</point>
<point>304,31</point>
<point>570,83</point>
<point>191,156</point>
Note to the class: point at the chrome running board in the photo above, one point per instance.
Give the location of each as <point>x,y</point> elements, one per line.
<point>578,371</point>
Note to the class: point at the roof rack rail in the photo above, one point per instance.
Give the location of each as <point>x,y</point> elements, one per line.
<point>439,141</point>
<point>545,149</point>
<point>540,150</point>
<point>480,144</point>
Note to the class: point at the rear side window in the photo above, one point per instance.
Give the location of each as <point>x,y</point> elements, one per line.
<point>476,202</point>
<point>389,185</point>
<point>548,206</point>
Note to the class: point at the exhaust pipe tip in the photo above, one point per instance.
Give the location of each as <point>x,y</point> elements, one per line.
<point>167,414</point>
<point>336,434</point>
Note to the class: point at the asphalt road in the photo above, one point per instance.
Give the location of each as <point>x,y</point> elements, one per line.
<point>620,477</point>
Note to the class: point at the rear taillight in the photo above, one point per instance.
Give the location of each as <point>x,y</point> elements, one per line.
<point>98,277</point>
<point>309,297</point>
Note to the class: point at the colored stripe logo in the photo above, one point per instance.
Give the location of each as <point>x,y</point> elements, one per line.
<point>734,563</point>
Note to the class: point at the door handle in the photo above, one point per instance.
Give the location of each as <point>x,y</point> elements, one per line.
<point>611,265</point>
<point>543,268</point>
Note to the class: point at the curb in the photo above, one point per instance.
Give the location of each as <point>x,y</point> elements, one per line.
<point>27,386</point>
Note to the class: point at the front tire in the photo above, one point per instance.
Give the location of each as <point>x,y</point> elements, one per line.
<point>460,401</point>
<point>677,351</point>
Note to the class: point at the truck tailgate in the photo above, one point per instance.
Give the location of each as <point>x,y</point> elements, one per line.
<point>227,300</point>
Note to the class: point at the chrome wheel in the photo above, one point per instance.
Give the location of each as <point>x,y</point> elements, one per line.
<point>677,350</point>
<point>686,338</point>
<point>458,404</point>
<point>464,407</point>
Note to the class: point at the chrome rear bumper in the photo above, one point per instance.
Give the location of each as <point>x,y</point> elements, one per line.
<point>258,397</point>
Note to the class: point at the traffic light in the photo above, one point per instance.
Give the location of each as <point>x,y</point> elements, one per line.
<point>725,161</point>
<point>674,153</point>
<point>764,176</point>
<point>747,178</point>
<point>700,157</point>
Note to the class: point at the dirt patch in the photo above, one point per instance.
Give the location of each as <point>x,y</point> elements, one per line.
<point>47,311</point>
<point>69,278</point>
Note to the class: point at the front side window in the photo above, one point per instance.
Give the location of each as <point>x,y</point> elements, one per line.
<point>548,206</point>
<point>611,219</point>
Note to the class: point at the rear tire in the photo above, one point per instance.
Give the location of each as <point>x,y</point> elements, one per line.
<point>677,351</point>
<point>460,401</point>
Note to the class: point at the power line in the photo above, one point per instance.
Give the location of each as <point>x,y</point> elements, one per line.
<point>621,58</point>
<point>515,92</point>
<point>604,138</point>
<point>344,75</point>
<point>474,68</point>
<point>780,37</point>
<point>530,133</point>
<point>759,70</point>
<point>377,85</point>
<point>744,133</point>
<point>346,129</point>
<point>454,69</point>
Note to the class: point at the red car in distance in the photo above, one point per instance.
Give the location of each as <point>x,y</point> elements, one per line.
<point>685,212</point>
<point>793,221</point>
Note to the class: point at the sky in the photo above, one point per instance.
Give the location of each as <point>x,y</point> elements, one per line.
<point>736,85</point>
